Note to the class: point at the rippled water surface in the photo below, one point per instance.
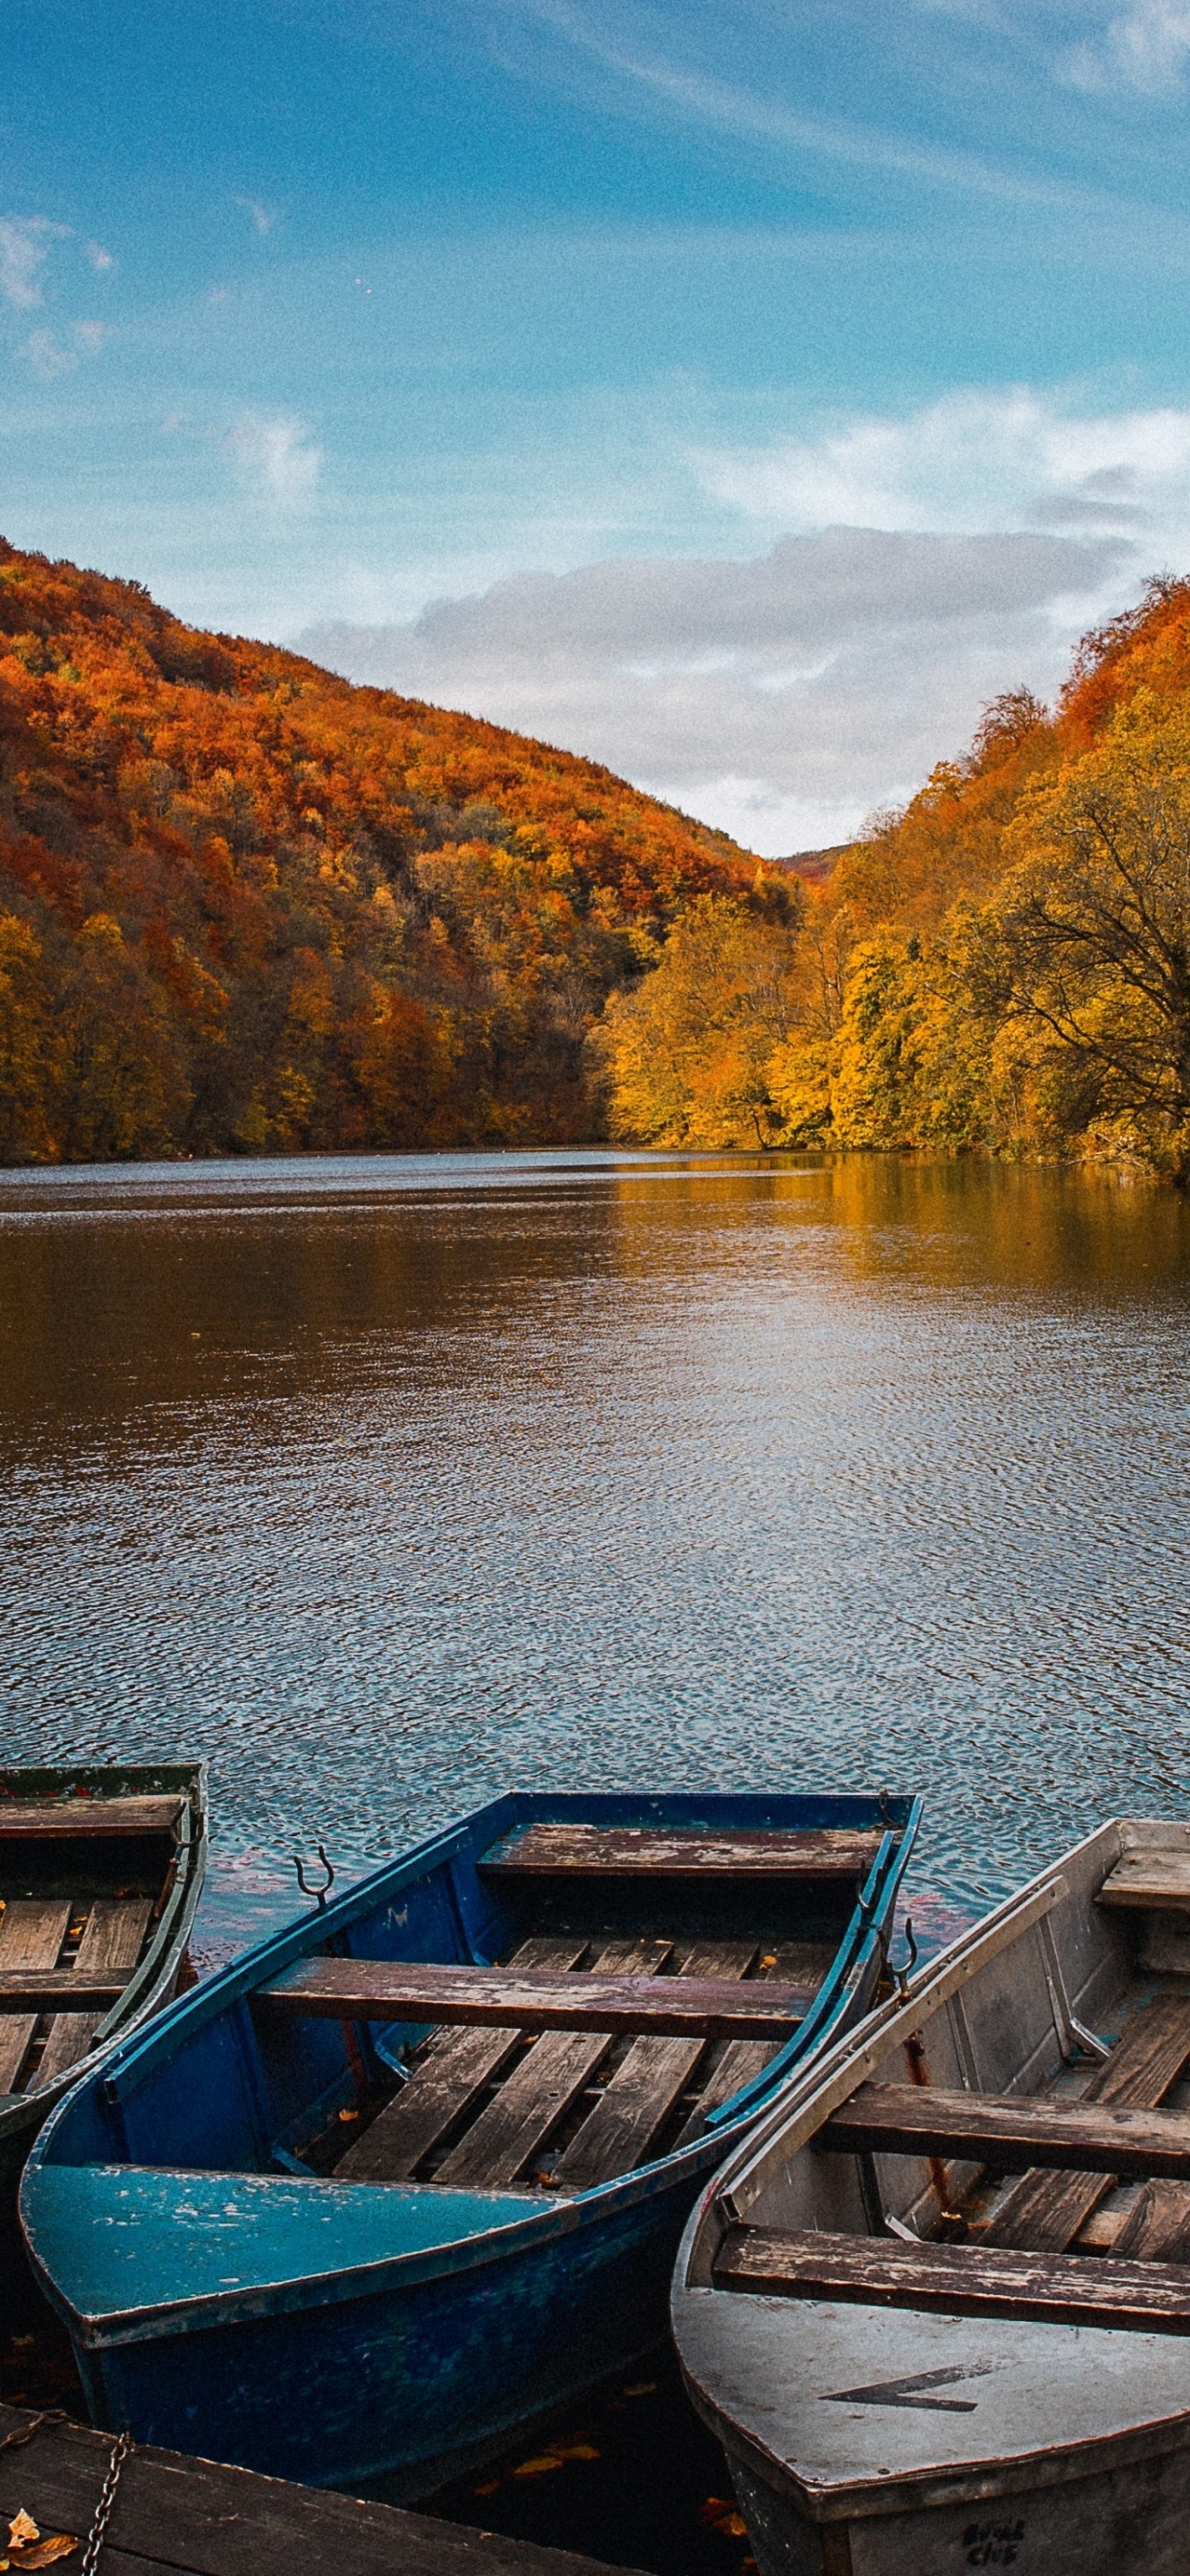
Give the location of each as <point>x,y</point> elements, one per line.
<point>388,1483</point>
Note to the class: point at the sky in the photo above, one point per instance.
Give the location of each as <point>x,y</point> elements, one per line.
<point>741,396</point>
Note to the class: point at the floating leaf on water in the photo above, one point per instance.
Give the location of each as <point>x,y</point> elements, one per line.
<point>642,2388</point>
<point>491,2486</point>
<point>349,2115</point>
<point>539,2466</point>
<point>576,2451</point>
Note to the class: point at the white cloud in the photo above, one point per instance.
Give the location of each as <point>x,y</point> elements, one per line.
<point>1145,48</point>
<point>24,247</point>
<point>915,566</point>
<point>781,696</point>
<point>50,356</point>
<point>275,458</point>
<point>100,258</point>
<point>970,462</point>
<point>262,217</point>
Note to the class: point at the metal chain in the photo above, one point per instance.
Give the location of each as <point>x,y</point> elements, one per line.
<point>121,2447</point>
<point>25,2432</point>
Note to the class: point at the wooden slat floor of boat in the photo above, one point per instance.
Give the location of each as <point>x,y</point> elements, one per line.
<point>175,2516</point>
<point>1011,2132</point>
<point>634,2106</point>
<point>539,2092</point>
<point>380,1990</point>
<point>1157,2228</point>
<point>792,1963</point>
<point>86,1819</point>
<point>960,2280</point>
<point>113,1938</point>
<point>1044,2211</point>
<point>1151,1878</point>
<point>32,1931</point>
<point>452,2072</point>
<point>561,1851</point>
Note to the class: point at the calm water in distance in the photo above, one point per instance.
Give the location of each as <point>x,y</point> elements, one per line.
<point>388,1483</point>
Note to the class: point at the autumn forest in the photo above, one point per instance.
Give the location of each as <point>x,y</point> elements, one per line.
<point>246,907</point>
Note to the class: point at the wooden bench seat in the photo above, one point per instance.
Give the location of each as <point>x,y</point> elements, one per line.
<point>493,1998</point>
<point>1045,2210</point>
<point>958,2280</point>
<point>32,1933</point>
<point>1011,2132</point>
<point>634,2107</point>
<point>515,2126</point>
<point>545,1851</point>
<point>86,1819</point>
<point>1151,1878</point>
<point>453,2071</point>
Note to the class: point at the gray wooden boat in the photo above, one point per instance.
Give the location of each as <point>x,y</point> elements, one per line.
<point>938,2308</point>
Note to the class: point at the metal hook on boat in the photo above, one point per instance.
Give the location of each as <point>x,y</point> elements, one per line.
<point>884,1807</point>
<point>319,1894</point>
<point>903,1975</point>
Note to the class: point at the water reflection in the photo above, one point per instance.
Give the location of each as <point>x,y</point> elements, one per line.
<point>388,1482</point>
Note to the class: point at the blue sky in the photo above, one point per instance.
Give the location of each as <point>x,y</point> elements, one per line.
<point>742,395</point>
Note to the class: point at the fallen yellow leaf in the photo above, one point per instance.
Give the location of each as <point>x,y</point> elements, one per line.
<point>42,2553</point>
<point>349,2115</point>
<point>538,2467</point>
<point>22,2528</point>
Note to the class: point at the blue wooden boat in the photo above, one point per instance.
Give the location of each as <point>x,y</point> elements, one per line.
<point>410,2176</point>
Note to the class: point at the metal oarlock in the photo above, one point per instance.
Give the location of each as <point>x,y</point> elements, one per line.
<point>320,1894</point>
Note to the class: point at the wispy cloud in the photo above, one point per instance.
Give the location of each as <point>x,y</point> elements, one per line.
<point>24,248</point>
<point>262,217</point>
<point>52,355</point>
<point>276,458</point>
<point>100,258</point>
<point>729,109</point>
<point>1146,48</point>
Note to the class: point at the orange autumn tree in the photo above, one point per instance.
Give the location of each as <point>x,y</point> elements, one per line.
<point>245,906</point>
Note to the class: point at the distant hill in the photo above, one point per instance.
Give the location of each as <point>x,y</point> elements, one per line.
<point>247,906</point>
<point>814,866</point>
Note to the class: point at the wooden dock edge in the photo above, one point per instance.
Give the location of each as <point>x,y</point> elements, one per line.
<point>176,2514</point>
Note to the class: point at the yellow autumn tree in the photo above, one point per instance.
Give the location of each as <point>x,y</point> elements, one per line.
<point>687,1055</point>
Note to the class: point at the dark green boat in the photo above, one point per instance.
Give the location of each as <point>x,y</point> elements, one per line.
<point>100,1873</point>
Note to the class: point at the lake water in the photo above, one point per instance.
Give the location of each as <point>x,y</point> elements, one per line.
<point>388,1483</point>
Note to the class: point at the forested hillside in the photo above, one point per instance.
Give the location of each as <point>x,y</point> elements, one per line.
<point>245,906</point>
<point>1004,966</point>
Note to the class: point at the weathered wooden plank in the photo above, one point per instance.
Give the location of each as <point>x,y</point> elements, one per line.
<point>557,1851</point>
<point>962,2280</point>
<point>1157,2229</point>
<point>172,2513</point>
<point>1010,2131</point>
<point>1153,1878</point>
<point>113,1937</point>
<point>455,2068</point>
<point>487,1998</point>
<point>540,2091</point>
<point>634,2107</point>
<point>1044,2211</point>
<point>741,2059</point>
<point>40,1990</point>
<point>86,1818</point>
<point>32,1932</point>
